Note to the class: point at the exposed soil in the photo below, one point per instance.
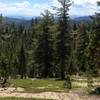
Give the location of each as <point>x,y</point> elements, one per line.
<point>17,92</point>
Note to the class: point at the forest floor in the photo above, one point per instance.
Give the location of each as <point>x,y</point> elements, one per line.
<point>44,89</point>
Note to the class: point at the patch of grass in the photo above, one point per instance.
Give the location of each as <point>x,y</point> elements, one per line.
<point>51,85</point>
<point>13,98</point>
<point>39,85</point>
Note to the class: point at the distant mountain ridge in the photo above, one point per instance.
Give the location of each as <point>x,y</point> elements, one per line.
<point>83,18</point>
<point>22,21</point>
<point>28,21</point>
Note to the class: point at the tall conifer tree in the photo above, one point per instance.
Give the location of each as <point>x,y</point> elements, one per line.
<point>44,51</point>
<point>63,38</point>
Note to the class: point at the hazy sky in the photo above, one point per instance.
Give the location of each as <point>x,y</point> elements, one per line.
<point>30,8</point>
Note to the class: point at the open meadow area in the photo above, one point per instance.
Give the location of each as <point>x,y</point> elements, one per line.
<point>51,85</point>
<point>48,89</point>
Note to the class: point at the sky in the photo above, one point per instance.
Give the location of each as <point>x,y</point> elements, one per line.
<point>31,8</point>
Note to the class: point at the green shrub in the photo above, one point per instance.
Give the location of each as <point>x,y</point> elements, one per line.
<point>68,83</point>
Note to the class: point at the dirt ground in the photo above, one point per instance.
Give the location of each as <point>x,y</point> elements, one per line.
<point>18,92</point>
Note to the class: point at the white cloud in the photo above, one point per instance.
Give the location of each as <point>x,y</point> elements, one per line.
<point>78,2</point>
<point>23,8</point>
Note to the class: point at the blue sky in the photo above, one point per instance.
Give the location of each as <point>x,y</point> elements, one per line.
<point>30,8</point>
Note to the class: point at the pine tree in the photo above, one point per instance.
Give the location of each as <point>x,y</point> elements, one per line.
<point>81,44</point>
<point>63,38</point>
<point>93,49</point>
<point>73,57</point>
<point>32,68</point>
<point>44,51</point>
<point>1,18</point>
<point>22,62</point>
<point>4,69</point>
